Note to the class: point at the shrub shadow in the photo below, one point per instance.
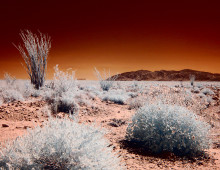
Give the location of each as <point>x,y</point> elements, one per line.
<point>135,148</point>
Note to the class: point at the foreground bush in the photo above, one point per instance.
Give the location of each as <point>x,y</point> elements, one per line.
<point>60,144</point>
<point>161,127</point>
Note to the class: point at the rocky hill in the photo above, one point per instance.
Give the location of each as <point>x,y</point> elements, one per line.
<point>165,75</point>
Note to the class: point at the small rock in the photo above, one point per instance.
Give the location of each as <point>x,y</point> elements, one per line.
<point>19,127</point>
<point>25,127</point>
<point>5,125</point>
<point>200,163</point>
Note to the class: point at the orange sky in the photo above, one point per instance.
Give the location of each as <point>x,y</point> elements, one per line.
<point>116,35</point>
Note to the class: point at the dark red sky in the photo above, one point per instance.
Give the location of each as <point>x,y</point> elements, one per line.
<point>116,35</point>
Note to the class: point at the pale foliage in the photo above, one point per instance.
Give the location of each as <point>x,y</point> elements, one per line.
<point>105,79</point>
<point>161,127</point>
<point>63,81</point>
<point>60,144</point>
<point>11,95</point>
<point>35,52</point>
<point>10,80</point>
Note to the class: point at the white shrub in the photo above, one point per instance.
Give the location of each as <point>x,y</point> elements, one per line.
<point>195,90</point>
<point>66,103</point>
<point>160,127</point>
<point>63,81</point>
<point>207,91</point>
<point>1,101</point>
<point>11,96</point>
<point>117,97</point>
<point>48,94</point>
<point>106,81</point>
<point>133,94</point>
<point>199,85</point>
<point>10,80</point>
<point>137,87</point>
<point>136,103</point>
<point>60,144</point>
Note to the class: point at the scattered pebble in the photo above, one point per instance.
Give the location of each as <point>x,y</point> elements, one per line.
<point>5,125</point>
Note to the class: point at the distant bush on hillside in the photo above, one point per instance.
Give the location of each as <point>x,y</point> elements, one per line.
<point>60,144</point>
<point>160,127</point>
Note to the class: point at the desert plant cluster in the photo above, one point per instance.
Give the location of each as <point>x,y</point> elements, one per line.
<point>166,118</point>
<point>155,117</point>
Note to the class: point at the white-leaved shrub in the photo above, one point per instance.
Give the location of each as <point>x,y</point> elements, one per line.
<point>60,92</point>
<point>60,144</point>
<point>10,80</point>
<point>161,127</point>
<point>1,101</point>
<point>136,103</point>
<point>136,87</point>
<point>207,91</point>
<point>63,81</point>
<point>118,97</point>
<point>105,80</point>
<point>195,90</point>
<point>11,95</point>
<point>65,103</point>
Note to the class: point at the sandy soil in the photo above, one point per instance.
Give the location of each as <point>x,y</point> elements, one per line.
<point>16,117</point>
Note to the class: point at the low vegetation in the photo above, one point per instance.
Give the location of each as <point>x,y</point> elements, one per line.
<point>105,80</point>
<point>60,144</point>
<point>159,128</point>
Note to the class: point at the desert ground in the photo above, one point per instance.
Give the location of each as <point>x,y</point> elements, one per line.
<point>22,108</point>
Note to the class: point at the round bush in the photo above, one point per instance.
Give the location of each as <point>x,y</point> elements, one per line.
<point>60,144</point>
<point>161,127</point>
<point>12,95</point>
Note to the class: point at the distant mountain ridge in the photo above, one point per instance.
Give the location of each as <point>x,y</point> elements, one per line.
<point>167,75</point>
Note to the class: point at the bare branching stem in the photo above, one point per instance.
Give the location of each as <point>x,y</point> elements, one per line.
<point>35,51</point>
